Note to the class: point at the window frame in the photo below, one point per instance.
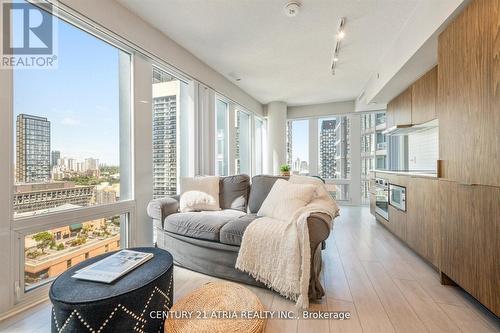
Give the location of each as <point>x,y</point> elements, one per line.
<point>19,227</point>
<point>227,136</point>
<point>251,137</point>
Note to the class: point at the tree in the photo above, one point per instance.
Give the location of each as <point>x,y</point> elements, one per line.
<point>43,239</point>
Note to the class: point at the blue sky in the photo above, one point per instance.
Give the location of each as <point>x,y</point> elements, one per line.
<point>300,140</point>
<point>80,97</point>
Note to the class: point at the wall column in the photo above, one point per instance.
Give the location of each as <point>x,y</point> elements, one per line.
<point>276,119</point>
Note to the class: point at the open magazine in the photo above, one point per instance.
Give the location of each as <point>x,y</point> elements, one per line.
<point>111,268</point>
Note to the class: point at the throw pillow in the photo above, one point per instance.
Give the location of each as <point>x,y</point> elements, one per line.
<point>285,199</point>
<point>199,193</point>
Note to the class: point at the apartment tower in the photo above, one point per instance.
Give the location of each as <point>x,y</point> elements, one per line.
<point>327,161</point>
<point>165,100</point>
<point>32,149</point>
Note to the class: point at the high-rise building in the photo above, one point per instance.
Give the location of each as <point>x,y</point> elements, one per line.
<point>327,162</point>
<point>91,164</point>
<point>342,148</point>
<point>32,149</point>
<point>165,101</point>
<point>55,155</point>
<point>373,149</point>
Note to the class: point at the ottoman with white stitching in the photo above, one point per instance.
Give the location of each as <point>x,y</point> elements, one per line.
<point>133,303</point>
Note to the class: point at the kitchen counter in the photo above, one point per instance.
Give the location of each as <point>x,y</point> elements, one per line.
<point>426,174</point>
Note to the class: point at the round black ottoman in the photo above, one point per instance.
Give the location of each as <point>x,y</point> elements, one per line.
<point>133,303</point>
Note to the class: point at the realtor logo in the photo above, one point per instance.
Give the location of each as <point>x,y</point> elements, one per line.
<point>28,36</point>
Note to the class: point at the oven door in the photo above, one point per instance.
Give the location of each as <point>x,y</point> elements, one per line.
<point>382,201</point>
<point>397,197</point>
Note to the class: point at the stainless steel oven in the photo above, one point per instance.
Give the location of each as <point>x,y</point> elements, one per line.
<point>382,197</point>
<point>397,197</point>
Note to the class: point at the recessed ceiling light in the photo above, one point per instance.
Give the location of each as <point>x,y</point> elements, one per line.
<point>341,35</point>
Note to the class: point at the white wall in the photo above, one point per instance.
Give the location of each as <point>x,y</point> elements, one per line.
<point>276,120</point>
<point>318,110</point>
<point>118,19</point>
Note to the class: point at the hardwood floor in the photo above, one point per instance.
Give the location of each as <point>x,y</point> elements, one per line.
<point>367,271</point>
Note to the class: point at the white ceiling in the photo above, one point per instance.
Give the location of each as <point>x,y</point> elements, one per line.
<point>280,58</point>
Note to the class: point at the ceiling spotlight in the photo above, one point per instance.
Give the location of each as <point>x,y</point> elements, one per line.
<point>292,9</point>
<point>336,51</point>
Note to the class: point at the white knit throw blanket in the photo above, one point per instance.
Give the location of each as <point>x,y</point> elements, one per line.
<point>278,254</point>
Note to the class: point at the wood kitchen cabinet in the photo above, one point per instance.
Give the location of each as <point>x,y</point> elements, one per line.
<point>399,109</point>
<point>469,95</point>
<point>422,223</point>
<point>397,222</point>
<point>424,95</point>
<point>470,247</point>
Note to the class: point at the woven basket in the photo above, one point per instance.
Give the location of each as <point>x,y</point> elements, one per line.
<point>213,299</point>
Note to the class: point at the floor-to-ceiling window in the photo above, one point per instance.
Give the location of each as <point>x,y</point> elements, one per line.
<point>221,139</point>
<point>71,147</point>
<point>329,153</point>
<point>170,132</point>
<point>373,149</point>
<point>298,146</point>
<point>243,153</point>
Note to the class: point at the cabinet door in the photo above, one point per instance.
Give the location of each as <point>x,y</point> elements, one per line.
<point>389,114</point>
<point>469,95</point>
<point>470,248</point>
<point>399,109</point>
<point>424,94</point>
<point>397,222</point>
<point>422,227</point>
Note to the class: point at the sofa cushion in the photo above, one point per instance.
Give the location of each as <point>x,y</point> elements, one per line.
<point>232,232</point>
<point>199,193</point>
<point>233,192</point>
<point>261,186</point>
<point>201,225</point>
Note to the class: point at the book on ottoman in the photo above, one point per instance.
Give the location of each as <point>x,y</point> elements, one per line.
<point>111,268</point>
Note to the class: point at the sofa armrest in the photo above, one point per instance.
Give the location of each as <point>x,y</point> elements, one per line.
<point>159,209</point>
<point>318,225</point>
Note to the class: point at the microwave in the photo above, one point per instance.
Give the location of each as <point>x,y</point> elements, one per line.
<point>397,197</point>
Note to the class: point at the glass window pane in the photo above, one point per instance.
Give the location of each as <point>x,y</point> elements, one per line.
<point>327,148</point>
<point>221,167</point>
<point>169,109</point>
<point>373,149</point>
<point>67,125</point>
<point>298,146</point>
<point>243,152</point>
<point>50,253</point>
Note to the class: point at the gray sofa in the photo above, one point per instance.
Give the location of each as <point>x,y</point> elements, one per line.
<point>208,242</point>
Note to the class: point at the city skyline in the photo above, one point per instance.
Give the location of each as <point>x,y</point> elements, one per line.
<point>80,98</point>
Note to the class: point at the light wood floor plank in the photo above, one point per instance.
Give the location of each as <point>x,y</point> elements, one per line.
<point>465,319</point>
<point>281,325</point>
<point>401,314</point>
<point>430,313</point>
<point>351,325</point>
